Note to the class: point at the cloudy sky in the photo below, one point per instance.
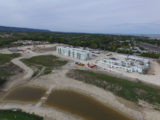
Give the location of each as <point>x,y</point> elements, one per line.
<point>95,16</point>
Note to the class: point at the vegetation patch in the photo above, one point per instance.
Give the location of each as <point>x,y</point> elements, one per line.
<point>133,91</point>
<point>6,58</point>
<point>3,75</point>
<point>44,64</point>
<point>151,55</point>
<point>117,43</point>
<point>7,68</point>
<point>17,115</point>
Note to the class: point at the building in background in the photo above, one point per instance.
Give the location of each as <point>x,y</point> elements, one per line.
<point>73,52</point>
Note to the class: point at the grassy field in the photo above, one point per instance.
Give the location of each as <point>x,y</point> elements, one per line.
<point>17,115</point>
<point>133,91</point>
<point>6,58</point>
<point>44,63</point>
<point>6,67</point>
<point>3,75</point>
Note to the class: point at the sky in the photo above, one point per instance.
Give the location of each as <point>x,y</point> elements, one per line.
<point>91,16</point>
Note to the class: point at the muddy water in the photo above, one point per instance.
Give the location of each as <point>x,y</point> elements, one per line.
<point>25,94</point>
<point>83,106</point>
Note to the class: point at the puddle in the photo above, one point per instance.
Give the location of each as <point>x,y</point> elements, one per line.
<point>25,94</point>
<point>83,106</point>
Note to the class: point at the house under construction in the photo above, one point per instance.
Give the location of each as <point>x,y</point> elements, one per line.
<point>73,52</point>
<point>126,63</point>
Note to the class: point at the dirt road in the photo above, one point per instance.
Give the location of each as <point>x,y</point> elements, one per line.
<point>58,80</point>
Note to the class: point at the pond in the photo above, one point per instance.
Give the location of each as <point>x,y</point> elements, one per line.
<point>83,106</point>
<point>25,94</point>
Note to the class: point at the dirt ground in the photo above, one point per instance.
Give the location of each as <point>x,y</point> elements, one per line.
<point>58,80</point>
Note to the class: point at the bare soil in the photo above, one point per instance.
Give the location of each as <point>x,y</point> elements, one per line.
<point>58,80</point>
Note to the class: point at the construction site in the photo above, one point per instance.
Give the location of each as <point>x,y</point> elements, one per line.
<point>144,69</point>
<point>112,61</point>
<point>125,63</point>
<point>46,86</point>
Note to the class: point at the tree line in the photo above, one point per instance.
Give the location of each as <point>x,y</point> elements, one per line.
<point>95,41</point>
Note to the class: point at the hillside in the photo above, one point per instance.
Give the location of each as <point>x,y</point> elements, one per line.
<point>17,29</point>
